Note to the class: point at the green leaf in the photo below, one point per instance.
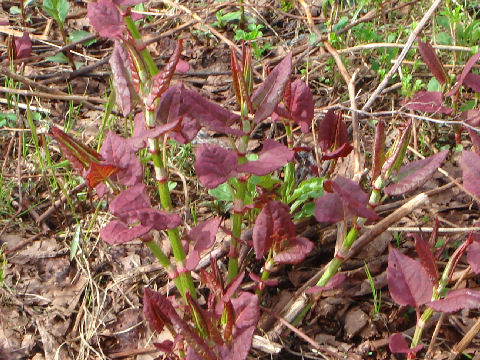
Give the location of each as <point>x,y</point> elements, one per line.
<point>171,185</point>
<point>266,181</point>
<point>341,23</point>
<point>444,38</point>
<point>59,58</point>
<point>308,210</point>
<point>222,192</point>
<point>308,189</point>
<point>434,85</point>
<point>443,22</point>
<point>81,34</point>
<point>58,9</point>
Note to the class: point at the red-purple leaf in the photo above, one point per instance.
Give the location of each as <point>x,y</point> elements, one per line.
<point>169,111</point>
<point>426,257</point>
<point>428,101</point>
<point>470,164</point>
<point>267,96</point>
<point>105,17</point>
<point>334,282</point>
<point>379,149</point>
<point>472,81</point>
<point>133,206</point>
<point>398,344</point>
<point>294,251</point>
<point>161,81</point>
<point>471,117</point>
<point>214,165</point>
<point>204,234</point>
<point>432,61</point>
<point>327,130</point>
<point>208,114</point>
<point>182,67</point>
<point>457,300</point>
<point>353,197</point>
<point>157,309</point>
<point>117,232</point>
<point>408,281</point>
<point>273,224</point>
<point>273,156</point>
<point>473,257</point>
<point>119,62</point>
<point>329,208</point>
<point>475,137</point>
<point>141,134</point>
<point>466,70</point>
<point>229,291</point>
<point>415,174</point>
<point>117,151</point>
<point>128,2</point>
<point>258,279</point>
<point>246,309</point>
<point>301,105</point>
<point>342,151</point>
<point>23,46</point>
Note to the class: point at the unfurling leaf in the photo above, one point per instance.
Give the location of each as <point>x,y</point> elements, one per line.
<point>415,174</point>
<point>267,96</point>
<point>432,61</point>
<point>273,224</point>
<point>107,20</point>
<point>470,164</point>
<point>23,46</point>
<point>214,165</point>
<point>398,149</point>
<point>80,156</point>
<point>122,83</point>
<point>379,149</point>
<point>272,157</point>
<point>137,217</point>
<point>426,257</point>
<point>428,101</point>
<point>161,81</point>
<point>333,136</point>
<point>457,300</point>
<point>408,281</point>
<point>398,345</point>
<point>466,70</point>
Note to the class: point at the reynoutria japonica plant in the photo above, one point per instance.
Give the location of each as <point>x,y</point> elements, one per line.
<point>224,328</point>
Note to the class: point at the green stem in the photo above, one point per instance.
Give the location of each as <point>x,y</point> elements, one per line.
<point>163,260</point>
<point>185,282</point>
<point>289,169</point>
<point>237,220</point>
